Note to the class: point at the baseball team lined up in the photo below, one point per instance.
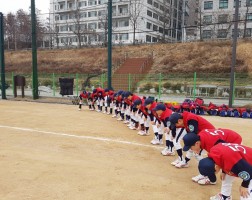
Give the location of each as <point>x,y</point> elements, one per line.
<point>224,146</point>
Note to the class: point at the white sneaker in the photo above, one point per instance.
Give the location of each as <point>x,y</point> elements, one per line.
<point>108,113</point>
<point>182,164</point>
<point>167,152</point>
<point>114,116</point>
<point>125,121</point>
<point>175,162</point>
<point>206,181</point>
<point>129,125</point>
<point>79,109</point>
<point>155,141</point>
<point>197,178</point>
<point>92,109</point>
<point>219,197</point>
<point>142,133</point>
<point>132,127</point>
<point>104,112</point>
<point>98,111</point>
<point>119,119</point>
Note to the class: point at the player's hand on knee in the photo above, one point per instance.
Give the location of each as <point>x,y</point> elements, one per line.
<point>244,192</point>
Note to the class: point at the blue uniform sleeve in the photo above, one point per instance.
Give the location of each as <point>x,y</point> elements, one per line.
<point>165,121</point>
<point>193,126</point>
<point>244,170</point>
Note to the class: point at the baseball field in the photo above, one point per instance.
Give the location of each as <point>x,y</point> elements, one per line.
<point>55,152</point>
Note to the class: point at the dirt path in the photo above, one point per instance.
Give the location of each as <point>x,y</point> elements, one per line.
<point>51,151</point>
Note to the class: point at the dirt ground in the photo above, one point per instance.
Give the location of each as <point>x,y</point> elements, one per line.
<point>53,151</point>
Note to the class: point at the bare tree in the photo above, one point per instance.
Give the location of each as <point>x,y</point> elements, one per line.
<point>135,9</point>
<point>11,31</point>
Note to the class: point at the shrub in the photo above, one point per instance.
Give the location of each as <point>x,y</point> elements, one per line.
<point>147,86</point>
<point>167,85</point>
<point>46,82</point>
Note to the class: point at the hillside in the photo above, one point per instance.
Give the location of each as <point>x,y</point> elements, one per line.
<point>184,57</point>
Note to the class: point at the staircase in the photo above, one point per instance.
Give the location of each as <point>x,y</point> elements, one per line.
<point>131,71</point>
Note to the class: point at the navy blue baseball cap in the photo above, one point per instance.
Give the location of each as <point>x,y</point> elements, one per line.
<point>106,90</point>
<point>137,102</point>
<point>207,168</point>
<point>95,90</point>
<point>174,119</point>
<point>160,107</point>
<point>127,94</point>
<point>189,140</point>
<point>119,92</point>
<point>148,101</point>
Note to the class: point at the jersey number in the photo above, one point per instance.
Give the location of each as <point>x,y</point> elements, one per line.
<point>216,132</point>
<point>235,147</point>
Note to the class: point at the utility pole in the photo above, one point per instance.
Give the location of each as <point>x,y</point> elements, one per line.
<point>231,92</point>
<point>109,43</point>
<point>34,52</point>
<point>2,64</point>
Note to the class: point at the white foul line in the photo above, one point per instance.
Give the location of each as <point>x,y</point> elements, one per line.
<point>79,136</point>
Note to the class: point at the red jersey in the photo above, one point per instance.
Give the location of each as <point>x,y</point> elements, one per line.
<point>202,123</point>
<point>134,98</point>
<point>166,114</point>
<point>226,155</point>
<point>209,137</point>
<point>84,95</point>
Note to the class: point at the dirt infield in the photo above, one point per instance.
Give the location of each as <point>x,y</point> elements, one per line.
<point>51,151</point>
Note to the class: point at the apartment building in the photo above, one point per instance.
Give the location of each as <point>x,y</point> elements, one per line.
<point>84,22</point>
<point>216,18</point>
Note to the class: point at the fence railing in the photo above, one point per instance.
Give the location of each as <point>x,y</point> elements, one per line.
<point>189,85</point>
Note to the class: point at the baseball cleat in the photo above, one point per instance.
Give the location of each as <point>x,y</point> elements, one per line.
<point>119,119</point>
<point>79,109</point>
<point>197,178</point>
<point>142,133</point>
<point>175,162</point>
<point>125,121</point>
<point>108,113</point>
<point>104,112</point>
<point>167,152</point>
<point>156,141</point>
<point>182,164</point>
<point>132,127</point>
<point>219,197</point>
<point>114,116</point>
<point>206,181</point>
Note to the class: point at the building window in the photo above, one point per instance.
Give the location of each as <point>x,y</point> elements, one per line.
<point>248,32</point>
<point>63,17</point>
<point>249,3</point>
<point>149,13</point>
<point>161,30</point>
<point>207,19</point>
<point>92,3</point>
<point>148,38</point>
<point>155,27</point>
<point>155,16</point>
<point>92,14</point>
<point>62,6</point>
<point>82,4</point>
<point>123,23</point>
<point>56,18</point>
<point>222,33</point>
<point>83,15</point>
<point>92,26</point>
<point>63,28</point>
<point>124,36</point>
<point>154,39</point>
<point>223,18</point>
<point>235,3</point>
<point>148,25</point>
<point>161,8</point>
<point>206,34</point>
<point>223,4</point>
<point>156,4</point>
<point>249,16</point>
<point>208,5</point>
<point>149,2</point>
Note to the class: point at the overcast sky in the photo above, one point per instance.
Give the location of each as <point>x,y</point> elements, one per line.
<point>14,5</point>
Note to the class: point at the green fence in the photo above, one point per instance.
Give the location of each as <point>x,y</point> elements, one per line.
<point>187,84</point>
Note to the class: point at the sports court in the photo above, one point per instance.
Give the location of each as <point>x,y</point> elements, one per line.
<point>55,152</point>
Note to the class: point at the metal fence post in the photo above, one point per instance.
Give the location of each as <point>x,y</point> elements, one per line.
<point>159,86</point>
<point>77,84</point>
<point>129,82</point>
<point>53,81</point>
<point>12,78</point>
<point>194,85</point>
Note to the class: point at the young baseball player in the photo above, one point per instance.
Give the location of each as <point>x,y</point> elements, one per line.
<point>82,96</point>
<point>205,140</point>
<point>150,104</point>
<point>143,120</point>
<point>192,123</point>
<point>234,160</point>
